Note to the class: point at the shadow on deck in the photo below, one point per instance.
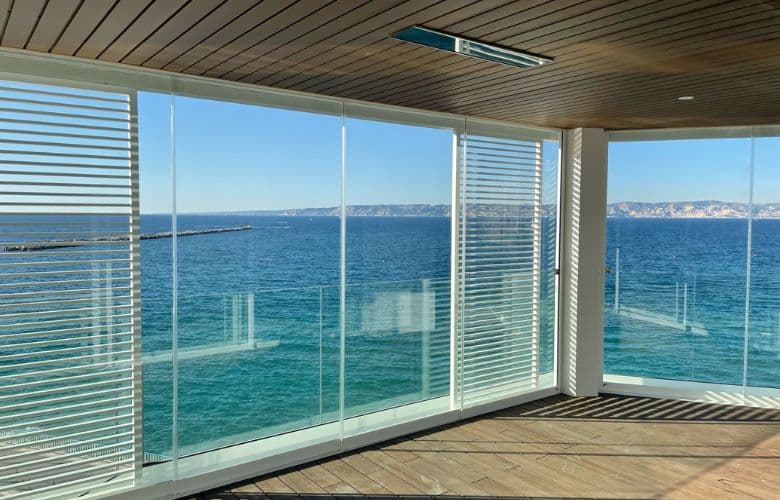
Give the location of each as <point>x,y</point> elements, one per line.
<point>558,447</point>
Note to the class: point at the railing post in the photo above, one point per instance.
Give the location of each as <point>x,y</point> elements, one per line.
<point>236,318</point>
<point>322,307</point>
<point>685,306</point>
<point>617,279</point>
<point>677,301</point>
<point>250,319</point>
<point>427,318</point>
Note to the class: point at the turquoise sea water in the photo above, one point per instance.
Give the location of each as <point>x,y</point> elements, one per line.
<point>681,308</point>
<point>282,278</point>
<point>286,270</point>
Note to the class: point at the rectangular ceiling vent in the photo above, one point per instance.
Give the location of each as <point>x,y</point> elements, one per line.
<point>467,47</point>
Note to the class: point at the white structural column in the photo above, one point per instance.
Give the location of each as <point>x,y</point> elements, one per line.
<point>583,240</point>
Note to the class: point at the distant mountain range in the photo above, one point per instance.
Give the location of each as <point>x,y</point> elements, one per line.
<point>627,209</point>
<point>413,210</point>
<point>692,209</point>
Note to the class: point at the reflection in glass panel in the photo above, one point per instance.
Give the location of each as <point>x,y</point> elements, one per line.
<point>258,271</point>
<point>397,321</point>
<point>677,231</point>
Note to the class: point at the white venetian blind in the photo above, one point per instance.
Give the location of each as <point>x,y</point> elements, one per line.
<point>500,218</point>
<point>69,296</point>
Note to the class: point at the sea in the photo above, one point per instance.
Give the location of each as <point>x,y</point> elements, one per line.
<point>281,279</point>
<point>258,316</point>
<point>680,314</point>
<point>687,299</point>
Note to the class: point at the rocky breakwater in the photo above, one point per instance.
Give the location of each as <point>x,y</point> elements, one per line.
<point>50,244</point>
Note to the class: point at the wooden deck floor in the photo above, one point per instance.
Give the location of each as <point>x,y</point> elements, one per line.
<point>558,447</point>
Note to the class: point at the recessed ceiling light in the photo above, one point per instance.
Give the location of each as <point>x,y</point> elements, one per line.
<point>468,47</point>
<point>685,98</point>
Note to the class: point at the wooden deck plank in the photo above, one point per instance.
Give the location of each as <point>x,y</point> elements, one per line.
<point>356,479</point>
<point>605,447</point>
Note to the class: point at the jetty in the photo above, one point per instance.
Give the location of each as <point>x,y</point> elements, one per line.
<point>50,244</point>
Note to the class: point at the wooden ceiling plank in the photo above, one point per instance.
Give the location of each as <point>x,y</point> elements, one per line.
<point>227,34</point>
<point>346,39</point>
<point>445,63</point>
<point>663,90</point>
<point>594,91</point>
<point>342,68</point>
<point>586,84</point>
<point>486,22</point>
<point>542,17</point>
<point>572,58</point>
<point>476,81</point>
<point>318,27</point>
<point>158,13</point>
<point>634,117</point>
<point>181,22</point>
<point>737,96</point>
<point>366,48</point>
<point>302,64</point>
<point>715,94</point>
<point>619,64</point>
<point>657,90</point>
<point>112,26</point>
<point>84,22</point>
<point>21,22</point>
<point>595,59</point>
<point>212,23</point>
<point>5,12</point>
<point>55,18</point>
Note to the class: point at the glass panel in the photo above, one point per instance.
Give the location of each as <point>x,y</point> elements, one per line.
<point>507,264</point>
<point>258,271</point>
<point>398,265</point>
<point>548,255</point>
<point>676,259</point>
<point>763,366</point>
<point>156,195</point>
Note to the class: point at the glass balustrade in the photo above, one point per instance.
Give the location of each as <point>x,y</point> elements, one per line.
<point>691,275</point>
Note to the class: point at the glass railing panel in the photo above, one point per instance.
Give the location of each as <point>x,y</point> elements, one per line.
<point>258,257</point>
<point>398,195</point>
<point>676,260</point>
<point>255,364</point>
<point>672,317</point>
<point>397,344</point>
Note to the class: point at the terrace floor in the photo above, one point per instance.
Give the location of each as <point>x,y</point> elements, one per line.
<point>605,447</point>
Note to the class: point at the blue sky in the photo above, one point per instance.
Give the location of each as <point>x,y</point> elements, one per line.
<point>239,157</point>
<point>687,170</point>
<point>233,157</point>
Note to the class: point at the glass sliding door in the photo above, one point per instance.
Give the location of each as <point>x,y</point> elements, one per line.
<point>762,367</point>
<point>398,245</point>
<point>690,285</point>
<point>258,192</point>
<point>506,290</point>
<point>155,146</point>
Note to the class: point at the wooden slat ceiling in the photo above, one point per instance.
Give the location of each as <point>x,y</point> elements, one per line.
<point>618,64</point>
